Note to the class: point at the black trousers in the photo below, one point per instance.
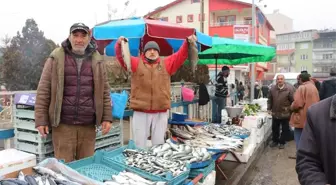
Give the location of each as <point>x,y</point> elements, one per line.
<point>276,136</point>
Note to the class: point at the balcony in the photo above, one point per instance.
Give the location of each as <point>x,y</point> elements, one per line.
<point>320,74</point>
<point>230,23</point>
<point>226,29</point>
<point>324,48</point>
<point>323,61</point>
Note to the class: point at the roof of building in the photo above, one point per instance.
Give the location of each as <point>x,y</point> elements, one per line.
<point>159,9</point>
<point>310,30</point>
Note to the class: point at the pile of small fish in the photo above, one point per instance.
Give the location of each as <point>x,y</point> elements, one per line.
<point>181,152</point>
<point>206,137</point>
<point>128,178</point>
<point>44,176</point>
<point>149,162</point>
<point>227,130</point>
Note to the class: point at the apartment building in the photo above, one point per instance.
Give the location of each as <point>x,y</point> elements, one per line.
<point>295,51</point>
<point>324,53</point>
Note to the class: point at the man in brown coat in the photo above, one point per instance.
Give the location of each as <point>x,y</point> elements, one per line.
<point>73,96</point>
<point>279,101</point>
<point>304,97</point>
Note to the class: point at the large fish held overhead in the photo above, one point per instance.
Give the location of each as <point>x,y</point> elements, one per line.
<point>126,54</point>
<point>193,54</point>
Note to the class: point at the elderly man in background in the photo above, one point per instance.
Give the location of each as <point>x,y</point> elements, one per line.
<point>73,96</point>
<point>304,97</point>
<point>150,89</point>
<point>279,102</point>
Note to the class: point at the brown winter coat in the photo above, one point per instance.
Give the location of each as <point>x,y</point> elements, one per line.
<point>280,100</point>
<point>150,88</point>
<point>50,90</point>
<point>304,97</point>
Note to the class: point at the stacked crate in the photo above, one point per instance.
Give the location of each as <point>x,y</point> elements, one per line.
<point>111,140</point>
<point>28,139</point>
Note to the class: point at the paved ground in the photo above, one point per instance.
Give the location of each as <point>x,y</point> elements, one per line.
<point>275,168</point>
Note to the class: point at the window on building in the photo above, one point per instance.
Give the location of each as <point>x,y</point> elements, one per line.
<point>164,19</point>
<point>190,18</point>
<point>304,57</point>
<point>228,20</point>
<point>303,68</point>
<point>327,56</point>
<point>327,45</point>
<point>231,19</point>
<point>195,1</point>
<point>304,46</point>
<point>179,19</point>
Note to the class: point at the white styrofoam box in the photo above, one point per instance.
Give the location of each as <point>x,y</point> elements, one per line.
<point>253,137</point>
<point>260,132</point>
<point>12,160</point>
<point>242,156</point>
<point>262,102</point>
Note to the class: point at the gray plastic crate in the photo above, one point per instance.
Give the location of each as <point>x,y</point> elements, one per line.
<point>105,142</point>
<point>24,113</point>
<point>114,131</point>
<point>24,124</point>
<point>32,136</point>
<point>35,148</point>
<point>110,147</point>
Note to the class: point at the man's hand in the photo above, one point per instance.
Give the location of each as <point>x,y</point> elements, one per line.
<point>43,130</point>
<point>106,127</point>
<point>192,38</point>
<point>122,38</point>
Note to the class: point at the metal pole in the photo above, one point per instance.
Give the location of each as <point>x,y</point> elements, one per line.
<point>253,40</point>
<point>202,16</point>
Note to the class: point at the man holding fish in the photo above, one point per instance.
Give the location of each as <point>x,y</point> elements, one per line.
<point>150,86</point>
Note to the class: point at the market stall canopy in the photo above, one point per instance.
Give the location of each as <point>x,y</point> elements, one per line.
<point>233,52</point>
<point>139,31</point>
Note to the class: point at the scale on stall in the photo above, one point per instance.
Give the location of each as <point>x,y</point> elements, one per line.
<point>232,115</point>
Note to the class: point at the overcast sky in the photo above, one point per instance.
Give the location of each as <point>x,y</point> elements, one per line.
<point>55,17</point>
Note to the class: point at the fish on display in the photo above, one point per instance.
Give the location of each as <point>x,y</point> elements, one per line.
<point>126,54</point>
<point>130,179</point>
<point>211,136</point>
<point>193,54</point>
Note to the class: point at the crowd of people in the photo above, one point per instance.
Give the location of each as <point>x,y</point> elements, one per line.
<point>310,108</point>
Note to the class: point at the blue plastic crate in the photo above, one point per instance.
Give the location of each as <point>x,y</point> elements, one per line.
<point>116,159</point>
<point>205,171</point>
<point>95,167</point>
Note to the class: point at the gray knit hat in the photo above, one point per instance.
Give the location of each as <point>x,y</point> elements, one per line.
<point>151,45</point>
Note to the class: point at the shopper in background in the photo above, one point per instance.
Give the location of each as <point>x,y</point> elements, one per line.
<point>233,94</point>
<point>304,97</point>
<point>241,91</point>
<point>279,102</point>
<point>222,92</point>
<point>73,96</point>
<point>328,86</point>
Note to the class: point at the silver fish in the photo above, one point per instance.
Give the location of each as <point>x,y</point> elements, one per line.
<point>126,54</point>
<point>193,56</point>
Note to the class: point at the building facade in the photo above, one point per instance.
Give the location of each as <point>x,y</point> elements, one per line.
<point>224,18</point>
<point>281,23</point>
<point>295,51</point>
<point>324,53</point>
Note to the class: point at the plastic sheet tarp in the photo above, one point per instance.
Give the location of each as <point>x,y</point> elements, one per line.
<point>73,175</point>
